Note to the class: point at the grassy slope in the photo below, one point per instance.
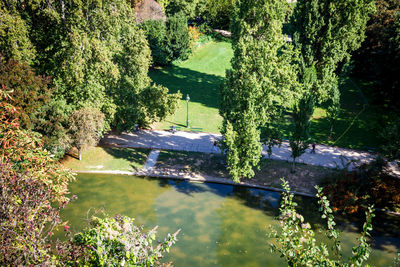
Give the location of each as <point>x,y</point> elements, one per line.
<point>99,159</point>
<point>200,76</point>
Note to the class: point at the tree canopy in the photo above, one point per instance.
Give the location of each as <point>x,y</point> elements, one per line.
<point>327,32</point>
<point>258,84</point>
<point>96,55</point>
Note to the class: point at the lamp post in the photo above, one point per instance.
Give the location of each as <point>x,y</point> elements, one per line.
<point>187,110</point>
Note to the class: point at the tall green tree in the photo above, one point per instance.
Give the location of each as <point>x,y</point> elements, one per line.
<point>300,137</point>
<point>86,127</point>
<point>326,33</point>
<point>178,39</point>
<point>259,83</point>
<point>302,112</point>
<point>156,33</point>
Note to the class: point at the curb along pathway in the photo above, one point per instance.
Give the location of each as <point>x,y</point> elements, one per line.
<point>325,156</point>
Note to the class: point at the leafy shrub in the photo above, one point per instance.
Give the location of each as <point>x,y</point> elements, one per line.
<point>117,242</point>
<point>23,150</point>
<point>194,35</point>
<point>296,241</point>
<point>169,41</point>
<point>178,39</point>
<point>156,36</point>
<point>369,185</point>
<point>33,189</point>
<point>27,219</point>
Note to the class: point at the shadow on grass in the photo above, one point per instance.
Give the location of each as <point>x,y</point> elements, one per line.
<point>202,88</point>
<point>136,156</point>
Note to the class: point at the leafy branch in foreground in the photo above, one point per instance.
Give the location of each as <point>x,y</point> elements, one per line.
<point>115,242</point>
<point>297,242</point>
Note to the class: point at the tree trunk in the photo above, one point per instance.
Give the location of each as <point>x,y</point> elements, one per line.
<point>293,170</point>
<point>80,154</point>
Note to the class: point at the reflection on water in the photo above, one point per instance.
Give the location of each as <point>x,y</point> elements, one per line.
<point>222,225</point>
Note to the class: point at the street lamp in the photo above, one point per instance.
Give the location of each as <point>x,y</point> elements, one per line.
<point>187,109</point>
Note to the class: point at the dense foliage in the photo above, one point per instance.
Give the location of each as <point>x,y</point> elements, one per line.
<point>371,184</point>
<point>86,127</point>
<point>296,241</point>
<point>30,92</point>
<point>378,59</point>
<point>96,55</point>
<point>34,189</point>
<point>155,33</point>
<point>177,38</point>
<point>327,32</point>
<point>218,13</point>
<point>116,242</point>
<point>259,83</point>
<point>168,40</point>
<point>28,219</point>
<point>32,186</point>
<point>190,8</point>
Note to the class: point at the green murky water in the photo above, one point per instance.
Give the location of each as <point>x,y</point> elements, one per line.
<point>221,225</point>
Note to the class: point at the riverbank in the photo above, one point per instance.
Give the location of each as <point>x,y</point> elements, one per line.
<point>197,167</point>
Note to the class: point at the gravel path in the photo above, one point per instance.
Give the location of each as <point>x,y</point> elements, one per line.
<point>326,156</point>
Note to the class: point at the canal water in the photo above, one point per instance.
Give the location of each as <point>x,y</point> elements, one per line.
<point>222,225</point>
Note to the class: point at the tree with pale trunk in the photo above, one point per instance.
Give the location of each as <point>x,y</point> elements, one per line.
<point>86,127</point>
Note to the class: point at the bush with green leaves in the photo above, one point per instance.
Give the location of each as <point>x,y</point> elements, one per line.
<point>156,36</point>
<point>117,242</point>
<point>168,40</point>
<point>178,39</point>
<point>190,8</point>
<point>296,241</point>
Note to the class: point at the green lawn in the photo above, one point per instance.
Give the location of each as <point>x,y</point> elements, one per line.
<point>108,158</point>
<point>358,123</point>
<point>200,76</point>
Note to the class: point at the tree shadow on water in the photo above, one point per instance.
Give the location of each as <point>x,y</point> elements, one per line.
<point>201,87</point>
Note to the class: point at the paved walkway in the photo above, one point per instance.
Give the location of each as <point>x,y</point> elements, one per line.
<point>330,157</point>
<point>151,160</point>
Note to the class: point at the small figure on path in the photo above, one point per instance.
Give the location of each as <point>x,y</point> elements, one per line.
<point>313,148</point>
<point>173,130</point>
<point>136,129</point>
<point>215,145</point>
